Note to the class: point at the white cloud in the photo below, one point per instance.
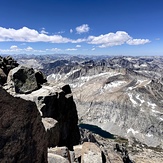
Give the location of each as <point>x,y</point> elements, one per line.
<point>71,30</point>
<point>71,49</point>
<point>14,47</point>
<point>54,49</point>
<point>82,29</point>
<point>93,49</point>
<point>110,39</point>
<point>114,39</point>
<point>78,46</point>
<point>30,35</point>
<point>29,48</point>
<point>137,41</point>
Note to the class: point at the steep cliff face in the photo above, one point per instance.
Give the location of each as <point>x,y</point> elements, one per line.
<point>22,134</point>
<point>51,102</point>
<point>127,107</point>
<point>61,107</point>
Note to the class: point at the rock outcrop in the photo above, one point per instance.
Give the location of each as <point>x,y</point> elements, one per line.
<point>6,64</point>
<point>52,102</point>
<point>59,105</point>
<point>91,153</point>
<point>22,134</point>
<point>52,131</point>
<point>25,80</point>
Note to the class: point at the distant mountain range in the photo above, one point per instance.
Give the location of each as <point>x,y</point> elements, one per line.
<point>122,95</point>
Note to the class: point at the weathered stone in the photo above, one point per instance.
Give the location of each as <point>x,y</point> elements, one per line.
<point>62,151</point>
<point>8,63</point>
<point>62,108</point>
<point>86,136</point>
<point>3,77</point>
<point>54,103</point>
<point>66,89</point>
<point>67,117</point>
<point>115,158</point>
<point>77,150</point>
<point>23,79</point>
<point>40,78</point>
<point>54,158</point>
<point>53,132</point>
<point>91,153</point>
<point>22,134</point>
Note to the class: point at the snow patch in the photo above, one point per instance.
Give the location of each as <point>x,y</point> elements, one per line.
<point>152,105</point>
<point>133,131</point>
<point>149,135</point>
<point>72,72</point>
<point>155,111</point>
<point>131,99</point>
<point>141,100</point>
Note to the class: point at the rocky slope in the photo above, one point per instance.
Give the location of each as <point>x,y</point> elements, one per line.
<point>121,95</point>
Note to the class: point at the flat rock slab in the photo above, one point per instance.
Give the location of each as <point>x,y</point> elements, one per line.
<point>91,153</point>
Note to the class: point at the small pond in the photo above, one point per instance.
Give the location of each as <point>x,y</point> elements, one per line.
<point>97,130</point>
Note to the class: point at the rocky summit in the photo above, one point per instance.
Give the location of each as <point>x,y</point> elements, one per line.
<point>121,96</point>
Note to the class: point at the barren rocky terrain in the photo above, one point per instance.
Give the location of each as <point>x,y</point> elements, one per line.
<point>121,95</point>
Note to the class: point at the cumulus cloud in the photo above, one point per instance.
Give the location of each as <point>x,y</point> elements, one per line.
<point>14,47</point>
<point>137,41</point>
<point>71,30</point>
<point>114,39</point>
<point>82,29</point>
<point>29,48</point>
<point>30,35</point>
<point>71,49</point>
<point>110,39</point>
<point>78,46</point>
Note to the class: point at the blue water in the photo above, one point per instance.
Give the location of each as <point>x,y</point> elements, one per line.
<point>97,130</point>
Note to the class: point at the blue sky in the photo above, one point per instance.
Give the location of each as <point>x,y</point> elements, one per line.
<point>94,27</point>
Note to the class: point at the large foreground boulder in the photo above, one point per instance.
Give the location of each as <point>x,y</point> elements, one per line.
<point>22,134</point>
<point>25,80</point>
<point>61,106</point>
